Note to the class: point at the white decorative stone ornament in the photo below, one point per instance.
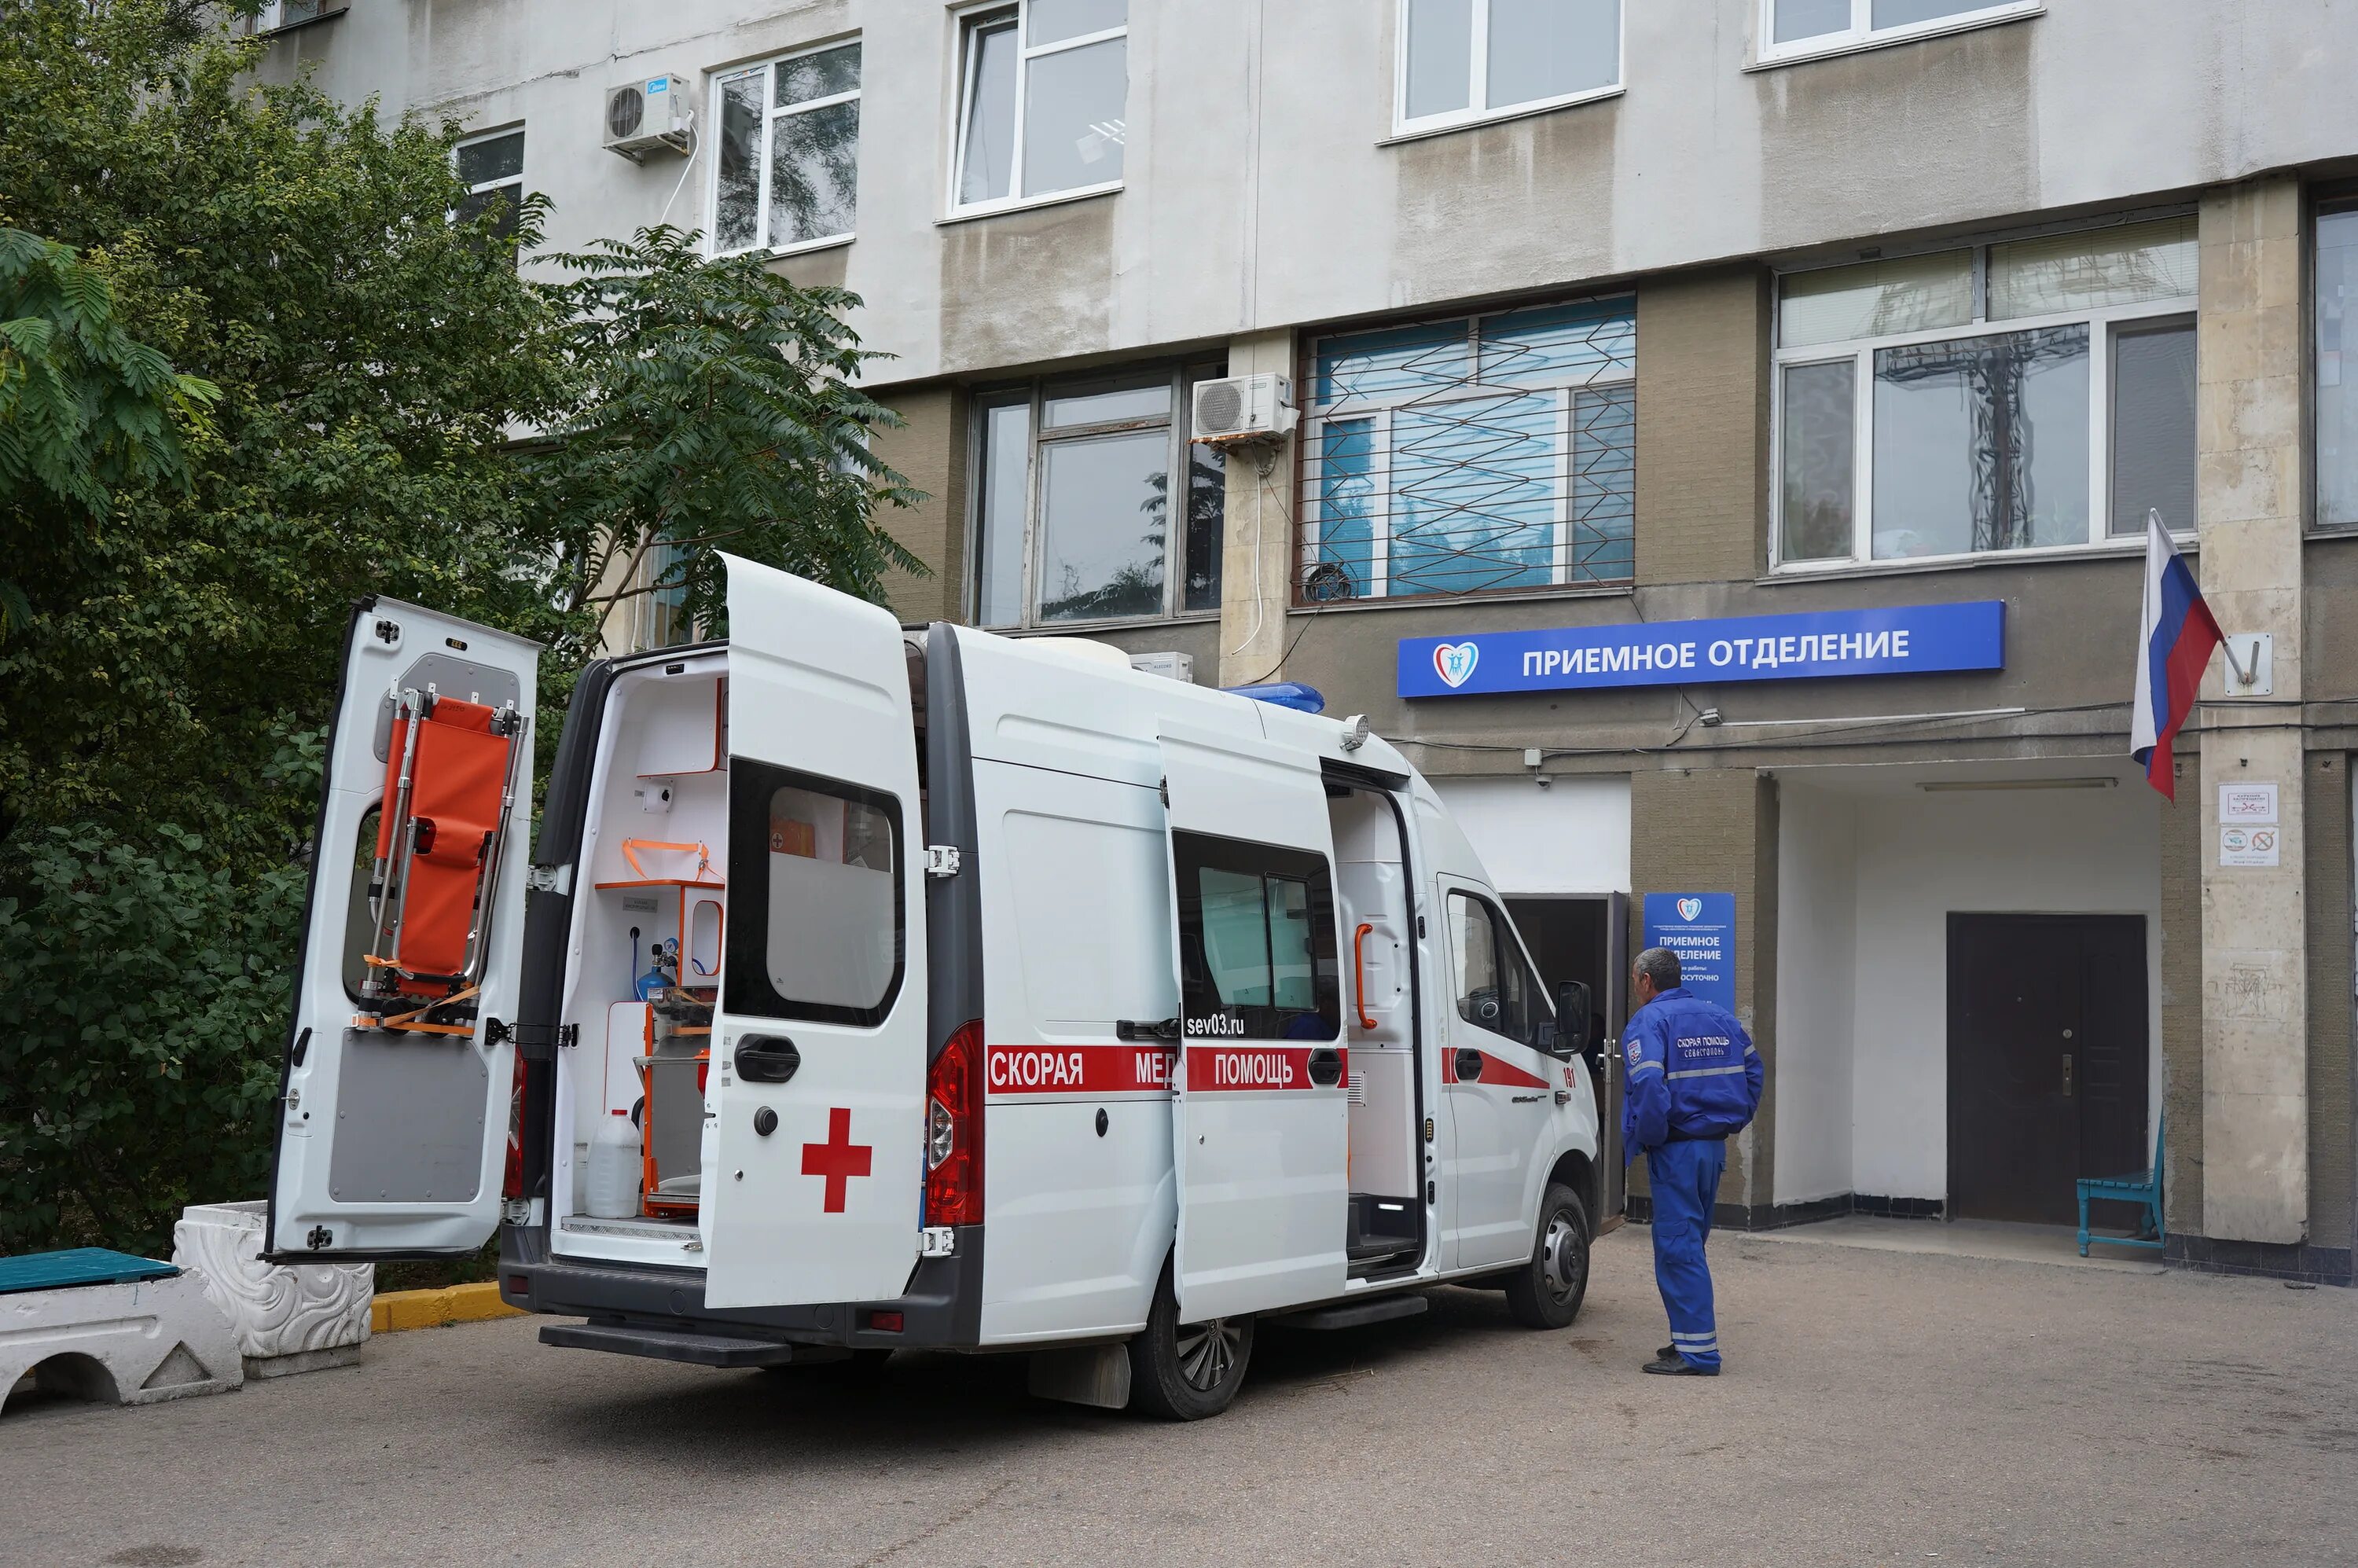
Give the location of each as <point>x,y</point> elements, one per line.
<point>285,1318</point>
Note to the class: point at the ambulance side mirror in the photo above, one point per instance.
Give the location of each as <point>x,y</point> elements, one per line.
<point>1572,1019</point>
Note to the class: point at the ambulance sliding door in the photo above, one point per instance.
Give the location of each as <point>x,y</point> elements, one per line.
<point>1261,1116</point>
<point>814,1158</point>
<point>392,1123</point>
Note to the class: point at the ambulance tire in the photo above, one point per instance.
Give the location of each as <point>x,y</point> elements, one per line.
<point>1546,1292</point>
<point>1186,1371</point>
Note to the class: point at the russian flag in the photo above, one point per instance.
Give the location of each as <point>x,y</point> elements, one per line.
<point>2175,638</point>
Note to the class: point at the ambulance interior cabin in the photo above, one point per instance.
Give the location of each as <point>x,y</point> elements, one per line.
<point>643,970</point>
<point>1379,1000</point>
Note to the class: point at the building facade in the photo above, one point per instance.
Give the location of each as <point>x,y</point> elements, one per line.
<point>1726,435</point>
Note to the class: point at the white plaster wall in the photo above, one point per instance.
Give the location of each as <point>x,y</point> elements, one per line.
<point>1919,857</point>
<point>1572,836</point>
<point>1263,191</point>
<point>1817,953</point>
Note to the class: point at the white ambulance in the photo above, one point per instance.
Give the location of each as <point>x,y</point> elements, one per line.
<point>934,989</point>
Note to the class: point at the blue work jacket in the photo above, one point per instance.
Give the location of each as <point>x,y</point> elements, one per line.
<point>1691,1073</point>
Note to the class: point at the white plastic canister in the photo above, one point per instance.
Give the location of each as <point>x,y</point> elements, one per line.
<point>614,1168</point>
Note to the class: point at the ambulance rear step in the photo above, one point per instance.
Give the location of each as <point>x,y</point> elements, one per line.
<point>1349,1314</point>
<point>685,1345</point>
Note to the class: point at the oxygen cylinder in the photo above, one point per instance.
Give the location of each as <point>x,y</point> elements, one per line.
<point>614,1168</point>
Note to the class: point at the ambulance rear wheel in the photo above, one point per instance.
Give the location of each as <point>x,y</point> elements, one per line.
<point>1546,1292</point>
<point>1185,1371</point>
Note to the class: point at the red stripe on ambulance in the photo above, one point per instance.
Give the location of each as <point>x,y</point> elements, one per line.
<point>1227,1069</point>
<point>1077,1069</point>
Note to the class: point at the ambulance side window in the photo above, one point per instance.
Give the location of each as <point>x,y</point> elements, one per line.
<point>1257,941</point>
<point>814,890</point>
<point>1496,988</point>
<point>359,914</point>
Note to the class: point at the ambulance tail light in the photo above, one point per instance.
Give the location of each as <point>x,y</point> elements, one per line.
<point>954,1130</point>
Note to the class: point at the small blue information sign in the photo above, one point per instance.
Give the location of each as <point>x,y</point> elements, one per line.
<point>1700,927</point>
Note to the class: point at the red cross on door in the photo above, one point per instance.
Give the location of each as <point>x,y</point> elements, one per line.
<point>839,1159</point>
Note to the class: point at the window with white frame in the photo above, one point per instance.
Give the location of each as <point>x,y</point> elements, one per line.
<point>1074,503</point>
<point>1463,60</point>
<point>1478,454</point>
<point>788,170</point>
<point>492,168</point>
<point>1043,87</point>
<point>1798,27</point>
<point>2033,396</point>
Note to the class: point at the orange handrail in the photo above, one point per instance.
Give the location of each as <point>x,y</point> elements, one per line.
<point>630,847</point>
<point>1359,973</point>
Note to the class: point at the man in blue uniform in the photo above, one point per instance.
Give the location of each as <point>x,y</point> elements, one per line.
<point>1692,1078</point>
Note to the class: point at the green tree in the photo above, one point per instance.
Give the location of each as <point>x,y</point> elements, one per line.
<point>717,409</point>
<point>174,625</point>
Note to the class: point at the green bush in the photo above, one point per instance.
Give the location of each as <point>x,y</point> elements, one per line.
<point>145,994</point>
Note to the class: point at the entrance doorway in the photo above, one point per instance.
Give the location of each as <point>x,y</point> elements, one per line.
<point>1588,939</point>
<point>2048,1057</point>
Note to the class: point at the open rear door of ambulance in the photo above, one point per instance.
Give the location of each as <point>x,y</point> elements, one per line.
<point>399,1076</point>
<point>1261,1117</point>
<point>815,1163</point>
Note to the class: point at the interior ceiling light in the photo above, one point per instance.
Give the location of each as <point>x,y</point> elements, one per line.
<point>1947,786</point>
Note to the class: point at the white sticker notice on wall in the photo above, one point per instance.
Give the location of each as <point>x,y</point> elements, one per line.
<point>2247,805</point>
<point>2239,846</point>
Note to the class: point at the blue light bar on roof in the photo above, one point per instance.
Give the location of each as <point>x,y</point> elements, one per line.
<point>1289,694</point>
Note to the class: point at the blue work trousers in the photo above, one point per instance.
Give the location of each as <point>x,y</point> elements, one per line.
<point>1685,1180</point>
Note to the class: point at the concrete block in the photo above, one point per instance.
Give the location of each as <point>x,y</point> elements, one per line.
<point>129,1343</point>
<point>2255,1167</point>
<point>286,1318</point>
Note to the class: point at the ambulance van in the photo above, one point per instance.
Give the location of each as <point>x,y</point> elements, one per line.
<point>869,989</point>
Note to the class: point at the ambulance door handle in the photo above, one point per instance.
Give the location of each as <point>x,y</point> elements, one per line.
<point>1325,1067</point>
<point>766,1058</point>
<point>1469,1067</point>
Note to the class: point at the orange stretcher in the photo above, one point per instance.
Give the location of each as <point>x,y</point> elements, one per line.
<point>451,778</point>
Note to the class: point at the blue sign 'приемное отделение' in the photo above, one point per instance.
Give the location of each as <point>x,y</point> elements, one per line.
<point>1921,639</point>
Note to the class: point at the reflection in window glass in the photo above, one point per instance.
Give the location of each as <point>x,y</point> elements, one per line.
<point>1496,988</point>
<point>492,158</point>
<point>1150,401</point>
<point>1982,444</point>
<point>1474,495</point>
<point>813,173</point>
<point>1256,939</point>
<point>821,75</point>
<point>1810,18</point>
<point>1908,13</point>
<point>1236,936</point>
<point>2129,266</point>
<point>1208,506</point>
<point>1815,522</point>
<point>832,938</point>
<point>2153,427</point>
<point>1006,452</point>
<point>1548,48</point>
<point>989,171</point>
<point>793,117</point>
<point>736,207</point>
<point>491,167</point>
<point>1101,541</point>
<point>1440,56</point>
<point>1073,109</point>
<point>2337,371</point>
<point>1053,21</point>
<point>1875,300</point>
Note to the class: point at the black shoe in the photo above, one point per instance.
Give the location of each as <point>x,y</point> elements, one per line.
<point>1675,1365</point>
<point>1667,1353</point>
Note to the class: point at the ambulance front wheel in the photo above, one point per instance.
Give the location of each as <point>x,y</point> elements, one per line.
<point>1546,1292</point>
<point>1185,1371</point>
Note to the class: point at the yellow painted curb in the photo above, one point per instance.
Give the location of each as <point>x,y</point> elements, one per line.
<point>393,1311</point>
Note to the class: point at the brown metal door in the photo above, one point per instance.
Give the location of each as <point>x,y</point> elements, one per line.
<point>2048,1056</point>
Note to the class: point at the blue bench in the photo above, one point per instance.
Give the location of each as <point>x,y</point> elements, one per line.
<point>2142,1189</point>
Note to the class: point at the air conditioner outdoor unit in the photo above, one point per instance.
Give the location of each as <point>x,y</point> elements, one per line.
<point>652,115</point>
<point>1238,409</point>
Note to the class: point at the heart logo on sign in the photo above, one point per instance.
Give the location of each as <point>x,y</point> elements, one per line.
<point>1689,908</point>
<point>1454,662</point>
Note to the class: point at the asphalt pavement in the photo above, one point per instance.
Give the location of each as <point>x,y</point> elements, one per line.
<point>1878,1408</point>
